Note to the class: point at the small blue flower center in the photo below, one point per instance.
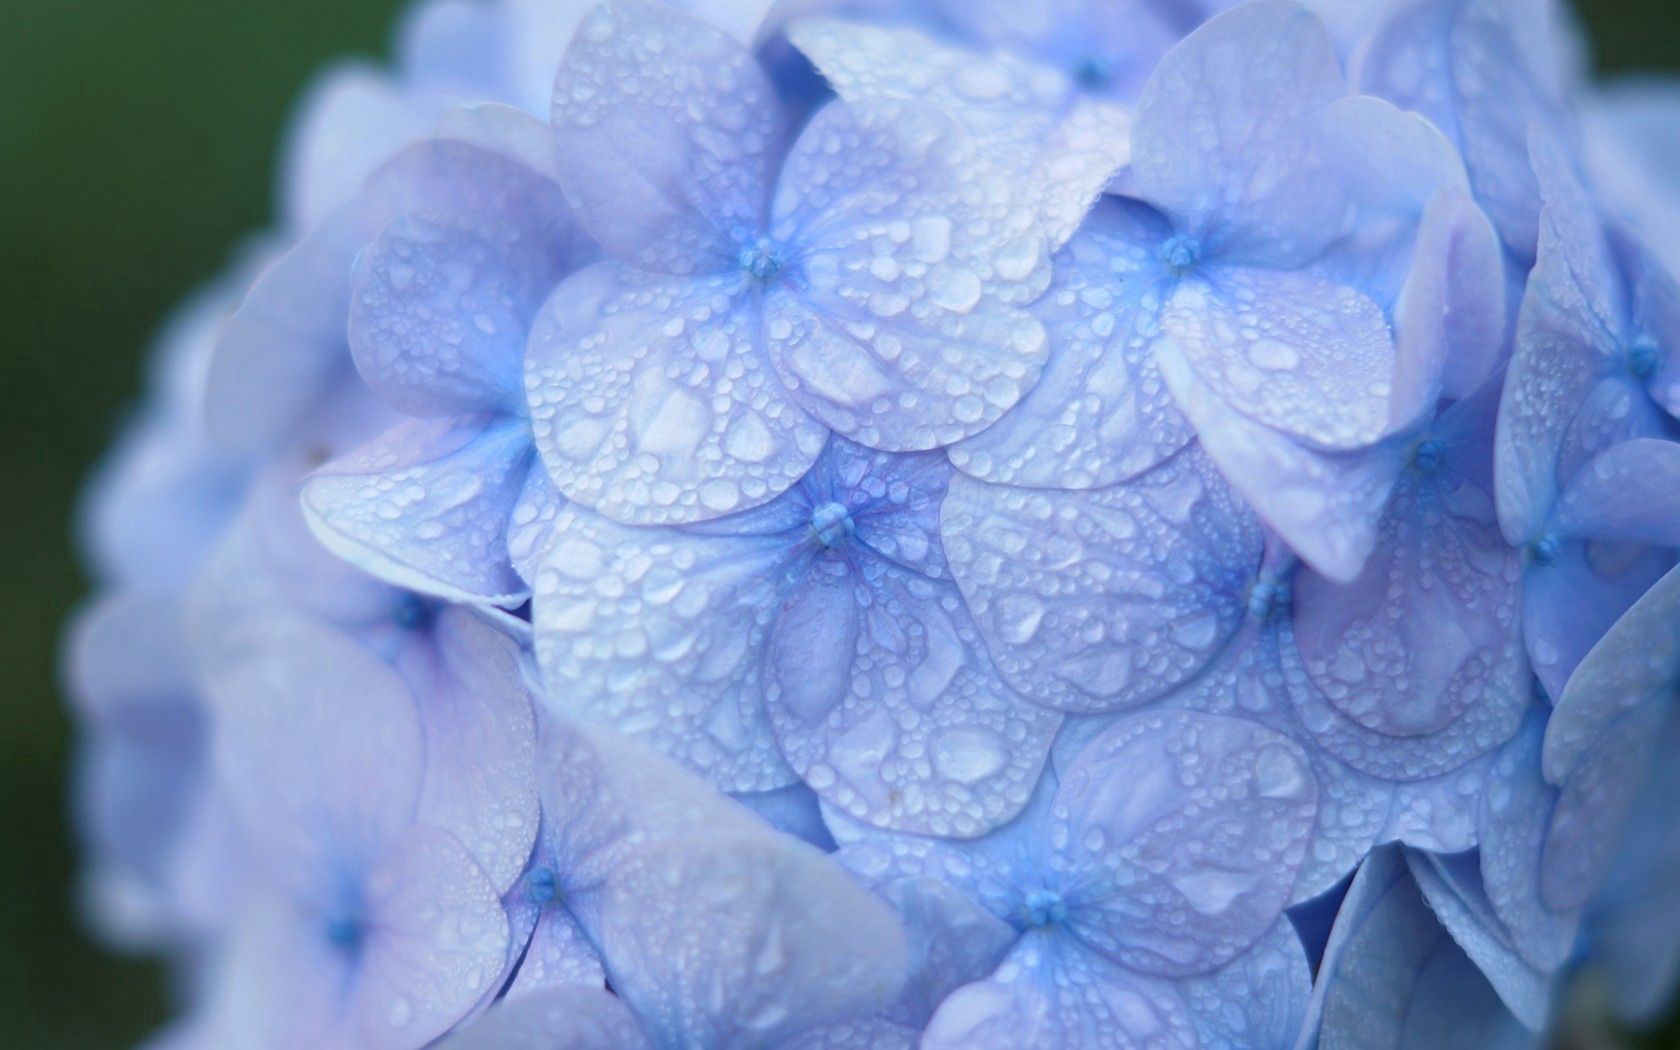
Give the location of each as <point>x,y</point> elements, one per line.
<point>1427,456</point>
<point>1093,73</point>
<point>1045,908</point>
<point>1267,597</point>
<point>413,612</point>
<point>760,259</point>
<point>1642,357</point>
<point>344,929</point>
<point>542,886</point>
<point>832,523</point>
<point>1180,253</point>
<point>1544,550</point>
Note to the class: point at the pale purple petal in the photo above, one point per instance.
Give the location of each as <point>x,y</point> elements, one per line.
<point>1100,412</point>
<point>652,403</point>
<point>1197,824</point>
<point>667,133</point>
<point>427,505</point>
<point>712,940</point>
<point>1108,598</point>
<point>888,325</point>
<point>1226,137</point>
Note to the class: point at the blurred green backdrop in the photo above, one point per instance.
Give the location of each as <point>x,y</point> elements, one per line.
<point>136,146</point>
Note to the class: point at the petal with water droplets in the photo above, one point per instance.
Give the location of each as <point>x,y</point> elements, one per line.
<point>712,940</point>
<point>480,781</point>
<point>426,506</point>
<point>1325,505</point>
<point>1109,598</point>
<point>1053,994</point>
<point>436,940</point>
<point>889,325</point>
<point>1293,351</point>
<point>441,302</point>
<point>1186,832</point>
<point>1100,412</point>
<point>576,1016</point>
<point>652,403</point>
<point>887,704</point>
<point>1053,147</point>
<point>1226,135</point>
<point>660,632</point>
<point>1431,625</point>
<point>667,134</point>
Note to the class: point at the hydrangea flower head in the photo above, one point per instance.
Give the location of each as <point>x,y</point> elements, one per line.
<point>891,523</point>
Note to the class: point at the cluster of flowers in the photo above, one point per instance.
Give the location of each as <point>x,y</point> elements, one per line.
<point>875,523</point>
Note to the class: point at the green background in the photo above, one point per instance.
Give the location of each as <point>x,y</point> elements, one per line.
<point>136,145</point>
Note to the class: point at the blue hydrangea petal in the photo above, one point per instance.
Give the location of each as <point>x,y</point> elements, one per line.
<point>1258,1000</point>
<point>793,810</point>
<point>883,327</point>
<point>1393,979</point>
<point>1431,626</point>
<point>1056,149</point>
<point>1225,140</point>
<point>1516,812</point>
<point>1247,681</point>
<point>1482,73</point>
<point>1506,80</point>
<point>886,703</point>
<point>532,522</point>
<point>1108,598</point>
<point>1439,813</point>
<point>1482,725</point>
<point>1300,354</point>
<point>712,940</point>
<point>578,1016</point>
<point>1052,994</point>
<point>603,795</point>
<point>1100,412</point>
<point>436,941</point>
<point>1389,159</point>
<point>998,869</point>
<point>162,497</point>
<point>451,43</point>
<point>296,726</point>
<point>1114,45</point>
<point>1568,331</point>
<point>1593,806</point>
<point>426,506</point>
<point>651,403</point>
<point>1634,934</point>
<point>1192,827</point>
<point>480,782</point>
<point>1451,885</point>
<point>284,346</point>
<point>869,1033</point>
<point>660,633</point>
<point>667,132</point>
<point>1629,493</point>
<point>554,951</point>
<point>1634,665</point>
<point>1570,602</point>
<point>1451,320</point>
<point>350,120</point>
<point>953,941</point>
<point>143,757</point>
<point>440,305</point>
<point>1325,505</point>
